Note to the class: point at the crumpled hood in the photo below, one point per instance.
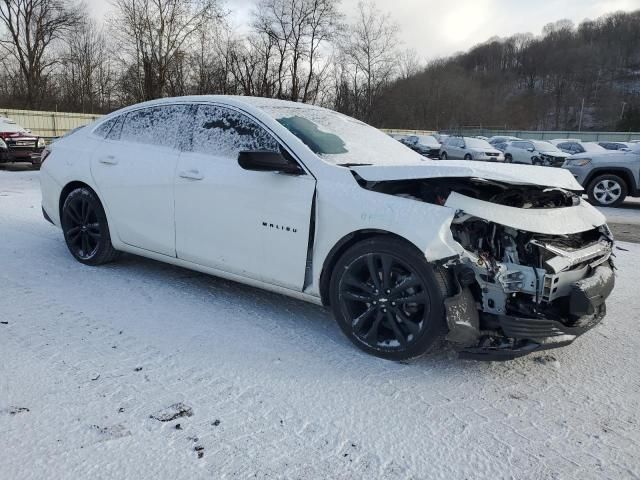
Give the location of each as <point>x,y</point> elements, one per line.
<point>507,173</point>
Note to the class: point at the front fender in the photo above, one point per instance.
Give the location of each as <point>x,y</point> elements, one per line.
<point>343,210</point>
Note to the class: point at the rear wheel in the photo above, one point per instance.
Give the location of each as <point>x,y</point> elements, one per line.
<point>85,228</point>
<point>607,191</point>
<point>443,156</point>
<point>468,157</point>
<point>388,300</point>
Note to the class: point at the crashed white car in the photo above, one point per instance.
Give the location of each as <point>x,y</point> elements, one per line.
<point>498,260</point>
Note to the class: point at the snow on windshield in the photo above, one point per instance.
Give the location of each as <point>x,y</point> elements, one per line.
<point>477,143</point>
<point>339,139</point>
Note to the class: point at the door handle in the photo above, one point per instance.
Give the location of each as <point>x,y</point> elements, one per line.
<point>191,174</point>
<point>109,160</point>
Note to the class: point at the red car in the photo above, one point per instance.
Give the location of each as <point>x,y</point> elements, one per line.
<point>18,144</point>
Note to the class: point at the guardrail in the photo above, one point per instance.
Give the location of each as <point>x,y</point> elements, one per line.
<point>48,124</point>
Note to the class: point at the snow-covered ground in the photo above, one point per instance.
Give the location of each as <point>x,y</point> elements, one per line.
<point>274,390</point>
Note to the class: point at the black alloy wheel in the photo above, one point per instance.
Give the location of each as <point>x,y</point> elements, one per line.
<point>388,300</point>
<point>85,228</point>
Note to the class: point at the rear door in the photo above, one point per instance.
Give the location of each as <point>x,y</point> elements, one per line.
<point>254,224</point>
<point>134,172</point>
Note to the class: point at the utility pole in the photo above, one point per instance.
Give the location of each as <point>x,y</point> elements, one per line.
<point>581,112</point>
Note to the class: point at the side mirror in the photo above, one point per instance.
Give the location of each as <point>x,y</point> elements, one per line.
<point>262,161</point>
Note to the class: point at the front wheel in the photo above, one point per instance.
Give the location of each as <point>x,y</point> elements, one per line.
<point>85,228</point>
<point>607,191</point>
<point>443,156</point>
<point>468,157</point>
<point>388,300</point>
<point>508,158</point>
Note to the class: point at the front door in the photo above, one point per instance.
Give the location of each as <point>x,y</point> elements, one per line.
<point>254,224</point>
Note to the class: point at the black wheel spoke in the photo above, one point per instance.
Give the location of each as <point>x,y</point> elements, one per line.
<point>413,328</point>
<point>356,297</point>
<point>373,271</point>
<point>410,282</point>
<point>387,262</point>
<point>72,232</point>
<point>372,334</point>
<point>74,215</point>
<point>358,321</point>
<point>393,323</point>
<point>355,283</point>
<point>419,298</point>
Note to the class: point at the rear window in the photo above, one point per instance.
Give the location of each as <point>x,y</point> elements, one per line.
<point>157,126</point>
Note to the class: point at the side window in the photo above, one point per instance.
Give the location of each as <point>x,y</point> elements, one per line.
<point>157,126</point>
<point>105,127</point>
<point>521,145</point>
<point>225,132</point>
<point>527,145</point>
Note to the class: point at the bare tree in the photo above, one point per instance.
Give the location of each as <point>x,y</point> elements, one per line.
<point>31,29</point>
<point>371,49</point>
<point>154,35</point>
<point>87,76</point>
<point>296,31</point>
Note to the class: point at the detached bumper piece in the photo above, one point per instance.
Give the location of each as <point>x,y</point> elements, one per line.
<point>523,336</point>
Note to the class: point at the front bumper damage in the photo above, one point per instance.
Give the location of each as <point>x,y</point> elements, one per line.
<point>514,336</point>
<point>504,310</point>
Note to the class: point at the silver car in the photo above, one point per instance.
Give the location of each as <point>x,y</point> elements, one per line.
<point>468,148</point>
<point>534,152</point>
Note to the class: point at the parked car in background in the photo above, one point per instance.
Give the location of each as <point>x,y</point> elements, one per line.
<point>616,145</point>
<point>469,148</point>
<point>19,145</point>
<point>574,147</point>
<point>425,145</point>
<point>608,177</point>
<point>441,137</point>
<point>501,139</point>
<point>310,203</point>
<point>534,152</point>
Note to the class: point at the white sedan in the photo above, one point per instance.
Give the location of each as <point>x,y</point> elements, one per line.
<point>500,260</point>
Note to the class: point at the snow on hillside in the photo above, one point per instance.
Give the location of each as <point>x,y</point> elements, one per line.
<point>141,370</point>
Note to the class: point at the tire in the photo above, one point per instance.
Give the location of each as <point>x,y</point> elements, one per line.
<point>373,311</point>
<point>443,156</point>
<point>468,157</point>
<point>508,158</point>
<point>536,161</point>
<point>607,190</point>
<point>85,228</point>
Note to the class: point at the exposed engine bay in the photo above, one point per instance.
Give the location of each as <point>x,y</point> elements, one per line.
<point>517,289</point>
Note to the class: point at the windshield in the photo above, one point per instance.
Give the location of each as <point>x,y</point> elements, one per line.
<point>545,147</point>
<point>341,140</point>
<point>477,143</point>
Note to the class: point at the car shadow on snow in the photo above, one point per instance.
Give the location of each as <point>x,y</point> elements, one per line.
<point>299,321</point>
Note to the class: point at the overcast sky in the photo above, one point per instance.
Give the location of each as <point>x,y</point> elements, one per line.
<point>436,28</point>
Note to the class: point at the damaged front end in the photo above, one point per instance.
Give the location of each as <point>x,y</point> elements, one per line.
<point>534,268</point>
<point>520,290</point>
